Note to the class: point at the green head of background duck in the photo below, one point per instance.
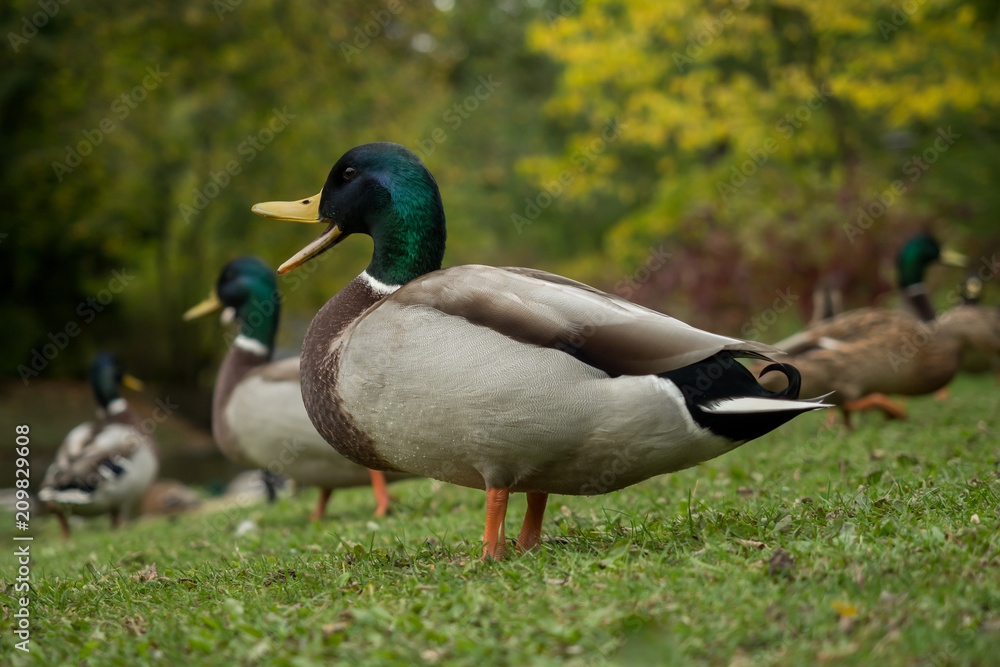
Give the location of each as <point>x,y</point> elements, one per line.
<point>106,376</point>
<point>916,255</point>
<point>247,292</point>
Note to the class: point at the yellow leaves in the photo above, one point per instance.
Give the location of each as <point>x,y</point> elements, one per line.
<point>844,608</point>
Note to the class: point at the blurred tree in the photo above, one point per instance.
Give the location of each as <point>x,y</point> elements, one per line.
<point>811,135</point>
<point>138,135</point>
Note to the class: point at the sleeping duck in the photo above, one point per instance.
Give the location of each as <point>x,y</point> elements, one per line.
<point>102,467</point>
<point>865,354</point>
<point>505,379</point>
<point>258,419</point>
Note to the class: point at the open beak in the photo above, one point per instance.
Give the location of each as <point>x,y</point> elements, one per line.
<point>209,305</point>
<point>952,258</point>
<point>132,382</point>
<point>303,210</point>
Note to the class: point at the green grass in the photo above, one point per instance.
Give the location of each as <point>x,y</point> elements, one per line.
<point>887,564</point>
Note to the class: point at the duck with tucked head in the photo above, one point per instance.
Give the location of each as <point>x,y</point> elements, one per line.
<point>258,419</point>
<point>504,379</point>
<point>102,467</point>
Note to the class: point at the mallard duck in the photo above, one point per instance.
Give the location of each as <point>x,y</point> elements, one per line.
<point>102,467</point>
<point>505,379</point>
<point>982,329</point>
<point>862,355</point>
<point>258,418</point>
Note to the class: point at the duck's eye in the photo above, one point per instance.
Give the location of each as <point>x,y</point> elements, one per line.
<point>349,173</point>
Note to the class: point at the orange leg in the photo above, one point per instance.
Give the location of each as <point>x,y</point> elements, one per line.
<point>320,509</point>
<point>381,492</point>
<point>116,519</point>
<point>831,418</point>
<point>496,512</point>
<point>942,394</point>
<point>531,530</point>
<point>877,402</point>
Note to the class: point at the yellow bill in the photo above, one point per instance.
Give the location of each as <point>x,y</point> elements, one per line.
<point>303,210</point>
<point>952,258</point>
<point>209,305</point>
<point>132,382</point>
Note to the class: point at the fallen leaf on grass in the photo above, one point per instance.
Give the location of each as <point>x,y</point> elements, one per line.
<point>146,574</point>
<point>136,625</point>
<point>280,577</point>
<point>844,608</point>
<point>750,544</point>
<point>331,628</point>
<point>848,615</point>
<point>781,564</point>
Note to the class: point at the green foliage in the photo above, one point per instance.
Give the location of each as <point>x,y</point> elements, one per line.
<point>781,124</point>
<point>255,102</point>
<point>890,534</point>
<point>745,141</point>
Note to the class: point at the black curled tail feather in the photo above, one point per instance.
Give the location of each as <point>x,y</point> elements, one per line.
<point>720,377</point>
<point>793,376</point>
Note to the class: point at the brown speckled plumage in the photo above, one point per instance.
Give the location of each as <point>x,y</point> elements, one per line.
<point>319,389</point>
<point>871,351</point>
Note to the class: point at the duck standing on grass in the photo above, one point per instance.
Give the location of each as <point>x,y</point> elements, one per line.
<point>102,467</point>
<point>982,329</point>
<point>863,355</point>
<point>504,379</point>
<point>258,419</point>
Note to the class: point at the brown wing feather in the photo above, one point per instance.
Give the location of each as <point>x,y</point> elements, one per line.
<point>544,309</point>
<point>854,325</point>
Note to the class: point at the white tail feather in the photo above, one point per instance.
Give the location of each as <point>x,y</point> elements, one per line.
<point>742,405</point>
<point>66,496</point>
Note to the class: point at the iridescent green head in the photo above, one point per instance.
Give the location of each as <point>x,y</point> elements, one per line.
<point>382,190</point>
<point>106,375</point>
<point>247,291</point>
<point>919,253</point>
